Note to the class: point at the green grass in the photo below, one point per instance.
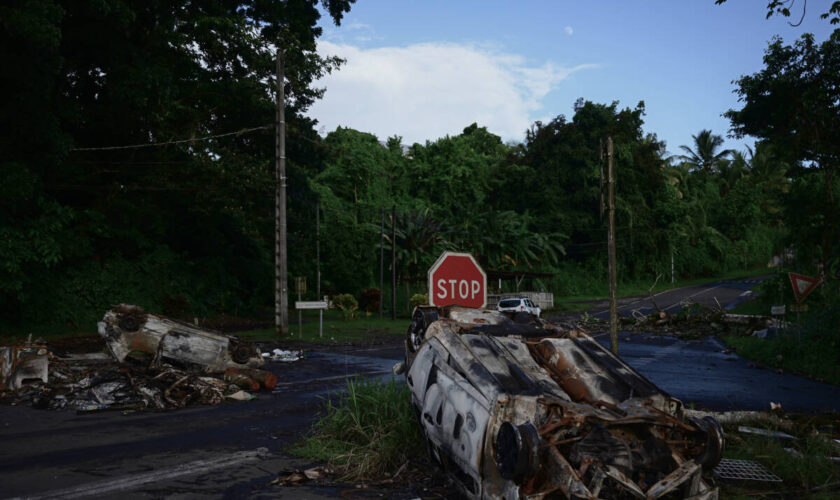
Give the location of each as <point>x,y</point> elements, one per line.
<point>751,307</point>
<point>10,337</point>
<point>808,469</point>
<point>336,328</point>
<point>814,352</point>
<point>814,356</point>
<point>368,431</point>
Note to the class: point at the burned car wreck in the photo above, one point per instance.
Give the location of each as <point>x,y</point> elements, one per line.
<point>513,407</point>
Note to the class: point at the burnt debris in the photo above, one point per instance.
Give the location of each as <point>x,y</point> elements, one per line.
<point>527,409</point>
<point>153,363</point>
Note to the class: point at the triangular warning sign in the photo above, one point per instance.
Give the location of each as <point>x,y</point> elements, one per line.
<point>802,285</point>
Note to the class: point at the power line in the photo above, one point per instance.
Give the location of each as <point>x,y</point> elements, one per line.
<point>181,141</point>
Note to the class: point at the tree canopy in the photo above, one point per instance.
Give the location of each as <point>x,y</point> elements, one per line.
<point>136,165</point>
<point>794,103</point>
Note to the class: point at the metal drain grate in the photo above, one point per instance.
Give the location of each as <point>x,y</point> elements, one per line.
<point>744,470</point>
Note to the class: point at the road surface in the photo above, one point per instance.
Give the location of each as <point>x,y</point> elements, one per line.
<point>727,293</point>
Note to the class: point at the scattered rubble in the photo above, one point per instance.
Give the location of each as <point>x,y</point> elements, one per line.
<point>691,323</point>
<point>776,435</point>
<point>516,408</point>
<point>294,477</point>
<point>155,363</point>
<point>283,356</point>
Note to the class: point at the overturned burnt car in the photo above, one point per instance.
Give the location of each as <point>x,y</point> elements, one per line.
<point>513,407</point>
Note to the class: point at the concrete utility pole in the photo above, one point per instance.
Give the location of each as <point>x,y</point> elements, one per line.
<point>611,247</point>
<point>318,249</point>
<point>381,259</point>
<point>394,262</point>
<point>281,289</point>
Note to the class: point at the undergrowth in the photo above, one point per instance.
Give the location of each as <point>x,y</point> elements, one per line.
<point>804,468</point>
<point>814,352</point>
<point>366,432</point>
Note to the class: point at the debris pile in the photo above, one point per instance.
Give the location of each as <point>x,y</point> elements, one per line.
<point>524,410</point>
<point>692,322</point>
<point>155,363</point>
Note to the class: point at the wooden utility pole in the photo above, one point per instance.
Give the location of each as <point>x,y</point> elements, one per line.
<point>381,259</point>
<point>281,289</point>
<point>611,247</point>
<point>393,262</point>
<point>318,249</point>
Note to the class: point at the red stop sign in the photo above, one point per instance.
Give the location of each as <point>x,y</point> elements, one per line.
<point>457,279</point>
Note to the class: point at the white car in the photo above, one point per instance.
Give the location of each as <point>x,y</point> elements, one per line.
<point>520,304</point>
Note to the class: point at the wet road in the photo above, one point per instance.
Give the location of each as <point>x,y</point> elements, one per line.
<point>234,450</point>
<point>227,451</point>
<point>704,374</point>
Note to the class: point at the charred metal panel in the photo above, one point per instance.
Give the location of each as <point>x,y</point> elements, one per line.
<point>22,364</point>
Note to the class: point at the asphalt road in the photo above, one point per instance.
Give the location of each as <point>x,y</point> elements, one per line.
<point>228,451</point>
<point>234,450</point>
<point>727,293</point>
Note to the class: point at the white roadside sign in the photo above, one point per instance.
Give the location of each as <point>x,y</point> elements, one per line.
<point>312,304</point>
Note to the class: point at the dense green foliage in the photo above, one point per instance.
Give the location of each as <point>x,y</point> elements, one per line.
<point>186,228</point>
<point>184,224</point>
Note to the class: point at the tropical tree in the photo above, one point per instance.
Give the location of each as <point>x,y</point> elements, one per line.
<point>706,155</point>
<point>794,103</point>
<point>136,151</point>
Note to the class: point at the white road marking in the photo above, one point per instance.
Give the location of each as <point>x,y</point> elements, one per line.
<point>692,295</point>
<point>134,481</point>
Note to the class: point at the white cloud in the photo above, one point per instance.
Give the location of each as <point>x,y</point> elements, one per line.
<point>425,91</point>
<point>568,30</point>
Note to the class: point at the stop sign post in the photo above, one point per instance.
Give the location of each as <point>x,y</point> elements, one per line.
<point>457,279</point>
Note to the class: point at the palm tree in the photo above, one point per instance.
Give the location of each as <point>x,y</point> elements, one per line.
<point>769,172</point>
<point>705,155</point>
<point>732,171</point>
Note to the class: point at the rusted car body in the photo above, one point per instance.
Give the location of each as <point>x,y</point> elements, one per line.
<point>519,408</point>
<point>128,328</point>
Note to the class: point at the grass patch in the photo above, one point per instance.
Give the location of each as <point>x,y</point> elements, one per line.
<point>336,328</point>
<point>815,355</point>
<point>368,431</point>
<point>45,333</point>
<point>751,307</point>
<point>806,472</point>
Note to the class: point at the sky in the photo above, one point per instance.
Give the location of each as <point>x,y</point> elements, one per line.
<point>425,69</point>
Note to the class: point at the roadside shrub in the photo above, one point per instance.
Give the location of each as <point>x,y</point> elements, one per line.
<point>370,300</point>
<point>347,303</point>
<point>419,299</point>
<point>367,431</point>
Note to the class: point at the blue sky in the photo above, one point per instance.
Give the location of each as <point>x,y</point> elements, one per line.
<point>424,69</point>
